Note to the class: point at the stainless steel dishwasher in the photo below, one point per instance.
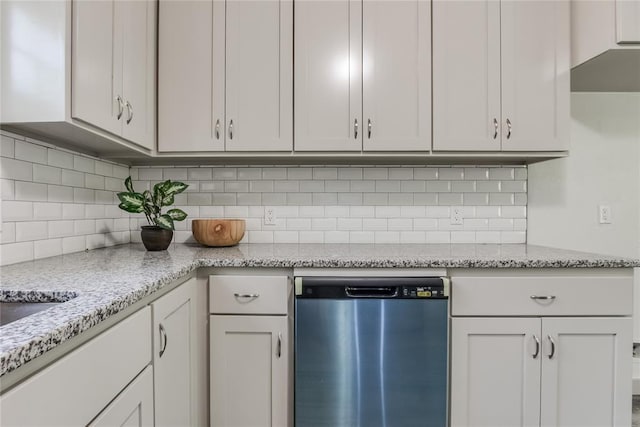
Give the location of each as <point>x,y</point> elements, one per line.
<point>371,351</point>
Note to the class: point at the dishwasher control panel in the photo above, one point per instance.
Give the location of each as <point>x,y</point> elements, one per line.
<point>372,287</point>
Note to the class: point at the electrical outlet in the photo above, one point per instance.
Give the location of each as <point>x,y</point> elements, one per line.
<point>604,212</point>
<point>456,215</point>
<point>269,215</point>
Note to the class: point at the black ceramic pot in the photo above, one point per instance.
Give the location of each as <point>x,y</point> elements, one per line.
<point>156,238</point>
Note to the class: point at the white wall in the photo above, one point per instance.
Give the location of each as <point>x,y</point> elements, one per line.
<point>603,168</point>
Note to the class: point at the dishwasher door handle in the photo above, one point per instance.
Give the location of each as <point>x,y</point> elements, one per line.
<point>370,292</point>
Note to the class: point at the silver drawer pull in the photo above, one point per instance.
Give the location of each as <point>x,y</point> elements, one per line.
<point>163,339</point>
<point>553,347</point>
<point>279,349</point>
<point>537,352</point>
<point>543,297</point>
<point>246,295</point>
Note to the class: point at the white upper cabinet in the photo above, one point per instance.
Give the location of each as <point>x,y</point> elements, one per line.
<point>628,21</point>
<point>95,48</point>
<point>113,67</point>
<point>500,75</point>
<point>225,76</point>
<point>466,75</point>
<point>190,82</point>
<point>535,75</point>
<point>259,62</point>
<point>362,75</point>
<point>328,75</point>
<point>396,75</point>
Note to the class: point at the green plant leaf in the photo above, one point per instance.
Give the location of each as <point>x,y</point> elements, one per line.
<point>168,200</point>
<point>173,187</point>
<point>164,221</point>
<point>158,194</point>
<point>177,214</point>
<point>129,185</point>
<point>131,202</point>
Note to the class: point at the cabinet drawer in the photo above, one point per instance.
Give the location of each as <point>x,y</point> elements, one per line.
<point>569,296</point>
<point>248,294</point>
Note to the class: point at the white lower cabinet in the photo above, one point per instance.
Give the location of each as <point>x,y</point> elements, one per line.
<point>250,351</point>
<point>174,331</point>
<point>133,407</point>
<point>249,363</point>
<point>540,370</point>
<point>79,386</point>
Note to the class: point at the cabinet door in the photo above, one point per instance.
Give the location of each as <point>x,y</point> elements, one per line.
<point>535,75</point>
<point>466,75</point>
<point>586,375</point>
<point>249,368</point>
<point>173,329</point>
<point>396,75</point>
<point>138,71</point>
<point>191,75</point>
<point>259,85</point>
<point>627,21</point>
<point>133,407</point>
<point>96,67</point>
<point>495,372</point>
<point>328,75</point>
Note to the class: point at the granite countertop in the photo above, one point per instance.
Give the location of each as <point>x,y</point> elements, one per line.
<point>100,283</point>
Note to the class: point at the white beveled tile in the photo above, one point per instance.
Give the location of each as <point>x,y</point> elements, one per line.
<point>487,237</point>
<point>309,211</point>
<point>72,178</point>
<point>501,199</point>
<point>236,211</point>
<point>299,199</point>
<point>504,173</point>
<point>311,237</point>
<point>84,195</point>
<point>31,230</point>
<point>312,186</point>
<point>300,173</point>
<point>84,164</point>
<point>7,189</point>
<point>29,152</point>
<point>61,159</point>
<point>121,172</point>
<point>401,173</point>
<point>362,211</point>
<point>375,199</point>
<point>450,199</point>
<point>47,210</point>
<point>325,199</point>
<point>413,237</point>
<point>425,199</point>
<point>450,174</point>
<point>438,237</point>
<point>513,186</point>
<point>438,186</point>
<point>349,224</point>
<point>476,174</point>
<point>15,169</point>
<point>361,237</point>
<point>94,181</point>
<point>400,224</point>
<point>200,174</point>
<point>261,186</point>
<point>30,191</point>
<point>374,224</point>
<point>413,186</point>
<point>59,193</point>
<point>520,173</point>
<point>337,211</point>
<point>325,173</point>
<point>350,173</point>
<point>47,248</point>
<point>249,174</point>
<point>513,237</point>
<point>513,211</point>
<point>425,173</point>
<point>336,237</point>
<point>363,186</point>
<point>211,212</point>
<point>94,211</point>
<point>95,241</point>
<point>501,224</point>
<point>249,199</point>
<point>274,199</point>
<point>386,237</point>
<point>375,173</point>
<point>350,199</point>
<point>12,253</point>
<point>261,237</point>
<point>104,168</point>
<point>387,211</point>
<point>7,146</point>
<point>72,211</point>
<point>8,234</point>
<point>285,236</point>
<point>336,186</point>
<point>387,186</point>
<point>463,237</point>
<point>274,173</point>
<point>437,212</point>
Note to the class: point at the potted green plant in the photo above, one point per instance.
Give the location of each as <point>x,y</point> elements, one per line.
<point>158,234</point>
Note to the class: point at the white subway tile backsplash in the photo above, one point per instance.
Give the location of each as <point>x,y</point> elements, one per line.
<point>12,253</point>
<point>103,168</point>
<point>47,248</point>
<point>30,191</point>
<point>401,173</point>
<point>249,174</point>
<point>84,164</point>
<point>31,230</point>
<point>63,228</point>
<point>47,211</point>
<point>375,173</point>
<point>425,173</point>
<point>17,210</point>
<point>274,173</point>
<point>29,152</point>
<point>94,181</point>
<point>504,173</point>
<point>8,234</point>
<point>72,178</point>
<point>476,174</point>
<point>175,174</point>
<point>501,199</point>
<point>361,237</point>
<point>72,211</point>
<point>7,146</point>
<point>438,186</point>
<point>7,189</point>
<point>15,169</point>
<point>450,174</point>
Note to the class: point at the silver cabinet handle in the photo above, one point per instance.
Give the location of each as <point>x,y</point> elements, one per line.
<point>508,128</point>
<point>543,297</point>
<point>495,128</point>
<point>218,129</point>
<point>129,112</point>
<point>120,107</point>
<point>279,349</point>
<point>163,339</point>
<point>231,129</point>
<point>369,126</point>
<point>355,129</point>
<point>537,352</point>
<point>246,295</point>
<point>553,346</point>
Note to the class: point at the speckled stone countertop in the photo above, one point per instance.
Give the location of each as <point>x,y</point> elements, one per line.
<point>100,283</point>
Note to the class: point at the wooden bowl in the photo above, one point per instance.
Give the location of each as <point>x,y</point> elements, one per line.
<point>218,232</point>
